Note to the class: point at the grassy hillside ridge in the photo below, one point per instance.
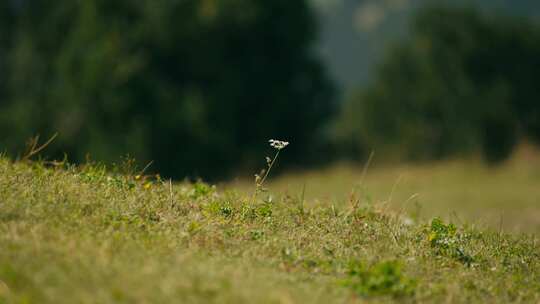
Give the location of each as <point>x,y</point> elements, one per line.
<point>506,196</point>
<point>86,235</point>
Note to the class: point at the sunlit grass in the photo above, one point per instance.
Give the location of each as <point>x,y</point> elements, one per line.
<point>90,235</point>
<point>506,196</point>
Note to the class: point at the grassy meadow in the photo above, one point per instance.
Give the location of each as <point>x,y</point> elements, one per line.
<point>506,196</point>
<point>426,234</point>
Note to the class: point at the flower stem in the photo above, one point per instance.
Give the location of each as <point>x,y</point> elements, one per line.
<point>270,167</point>
<point>260,184</point>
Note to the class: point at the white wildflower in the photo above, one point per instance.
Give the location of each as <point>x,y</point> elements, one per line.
<point>278,144</point>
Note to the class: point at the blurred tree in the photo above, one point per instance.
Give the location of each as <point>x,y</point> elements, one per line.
<point>464,81</point>
<point>198,86</point>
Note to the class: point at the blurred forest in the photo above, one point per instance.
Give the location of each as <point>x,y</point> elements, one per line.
<point>355,34</point>
<point>465,82</point>
<point>199,86</point>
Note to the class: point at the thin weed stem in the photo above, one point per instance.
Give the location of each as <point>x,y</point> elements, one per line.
<point>259,182</point>
<point>269,168</point>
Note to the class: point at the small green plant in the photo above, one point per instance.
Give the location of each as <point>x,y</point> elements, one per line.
<point>265,210</point>
<point>220,208</point>
<point>256,234</point>
<point>201,189</point>
<point>193,227</point>
<point>261,178</point>
<point>381,279</point>
<point>445,240</point>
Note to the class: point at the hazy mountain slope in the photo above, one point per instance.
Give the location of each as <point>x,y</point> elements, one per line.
<point>354,33</point>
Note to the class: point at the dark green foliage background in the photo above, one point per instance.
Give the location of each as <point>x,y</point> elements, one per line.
<point>196,86</point>
<point>199,86</point>
<point>463,82</point>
